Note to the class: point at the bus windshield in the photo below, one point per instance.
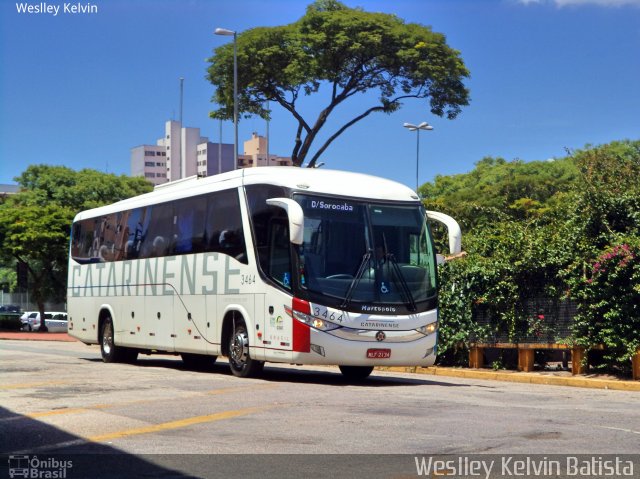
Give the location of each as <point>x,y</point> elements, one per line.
<point>366,253</point>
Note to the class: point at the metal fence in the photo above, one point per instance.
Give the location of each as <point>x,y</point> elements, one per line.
<point>26,303</point>
<point>537,320</point>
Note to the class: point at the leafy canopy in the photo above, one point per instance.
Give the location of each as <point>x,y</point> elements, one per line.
<point>35,223</point>
<point>348,51</point>
<point>496,187</point>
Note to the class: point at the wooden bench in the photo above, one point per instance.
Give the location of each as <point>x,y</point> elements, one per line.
<point>526,355</point>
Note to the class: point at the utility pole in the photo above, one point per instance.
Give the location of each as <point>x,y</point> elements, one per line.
<point>181,98</point>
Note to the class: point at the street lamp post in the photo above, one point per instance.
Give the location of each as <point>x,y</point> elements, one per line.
<point>224,31</point>
<point>268,159</point>
<point>422,126</point>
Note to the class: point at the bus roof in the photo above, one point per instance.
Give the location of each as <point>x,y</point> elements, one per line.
<point>308,180</point>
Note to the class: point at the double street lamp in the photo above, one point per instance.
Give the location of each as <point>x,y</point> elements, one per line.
<point>225,32</point>
<point>411,127</point>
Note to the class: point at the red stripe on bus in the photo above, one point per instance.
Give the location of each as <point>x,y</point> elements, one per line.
<point>301,337</point>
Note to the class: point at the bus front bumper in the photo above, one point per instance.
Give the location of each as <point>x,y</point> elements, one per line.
<point>385,349</point>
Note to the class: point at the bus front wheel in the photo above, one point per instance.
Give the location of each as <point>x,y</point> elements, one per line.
<point>241,363</point>
<point>356,373</point>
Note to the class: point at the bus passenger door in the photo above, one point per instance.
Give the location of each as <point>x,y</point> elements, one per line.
<point>279,327</point>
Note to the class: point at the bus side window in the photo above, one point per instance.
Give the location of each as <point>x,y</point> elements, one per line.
<point>189,225</point>
<point>122,232</point>
<point>82,240</point>
<point>261,215</point>
<point>137,225</point>
<point>160,233</point>
<point>224,232</point>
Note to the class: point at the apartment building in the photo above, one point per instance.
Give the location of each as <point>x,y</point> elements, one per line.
<point>182,152</point>
<point>150,161</point>
<point>255,154</point>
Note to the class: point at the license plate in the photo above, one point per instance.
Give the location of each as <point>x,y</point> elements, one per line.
<point>378,353</point>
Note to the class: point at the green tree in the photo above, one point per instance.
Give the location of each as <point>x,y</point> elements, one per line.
<point>35,223</point>
<point>77,190</point>
<point>38,235</point>
<point>496,190</point>
<point>8,277</point>
<point>349,52</point>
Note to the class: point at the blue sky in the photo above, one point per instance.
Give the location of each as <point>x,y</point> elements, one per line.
<point>82,90</point>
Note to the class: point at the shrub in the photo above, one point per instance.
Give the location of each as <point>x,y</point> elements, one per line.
<point>609,303</point>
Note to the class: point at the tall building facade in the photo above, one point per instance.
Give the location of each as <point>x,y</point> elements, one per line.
<point>214,158</point>
<point>182,153</point>
<point>150,161</point>
<point>255,154</point>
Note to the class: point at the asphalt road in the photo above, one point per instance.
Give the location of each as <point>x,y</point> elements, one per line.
<point>60,399</point>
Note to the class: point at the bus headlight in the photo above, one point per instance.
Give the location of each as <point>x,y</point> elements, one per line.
<point>428,328</point>
<point>323,325</point>
<point>301,311</point>
<point>314,322</point>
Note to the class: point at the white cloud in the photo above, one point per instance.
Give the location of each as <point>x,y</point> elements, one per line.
<point>602,3</point>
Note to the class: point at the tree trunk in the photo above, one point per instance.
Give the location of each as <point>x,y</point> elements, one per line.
<point>43,326</point>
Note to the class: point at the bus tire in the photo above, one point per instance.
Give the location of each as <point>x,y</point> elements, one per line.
<point>240,362</point>
<point>356,373</point>
<point>108,349</point>
<point>200,362</point>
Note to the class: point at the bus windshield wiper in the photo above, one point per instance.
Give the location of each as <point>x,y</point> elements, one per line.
<point>403,283</point>
<point>354,282</point>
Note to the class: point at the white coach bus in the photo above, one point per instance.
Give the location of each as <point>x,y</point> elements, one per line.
<point>288,265</point>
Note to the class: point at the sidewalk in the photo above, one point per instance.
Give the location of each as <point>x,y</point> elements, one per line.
<point>35,336</point>
<point>564,378</point>
<point>536,377</point>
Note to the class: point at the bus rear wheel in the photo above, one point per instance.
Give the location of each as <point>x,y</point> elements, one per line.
<point>356,373</point>
<point>110,352</point>
<point>241,363</point>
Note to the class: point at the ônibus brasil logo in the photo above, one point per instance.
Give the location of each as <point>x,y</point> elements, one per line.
<point>35,468</point>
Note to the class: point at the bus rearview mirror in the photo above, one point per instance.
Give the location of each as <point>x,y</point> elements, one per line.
<point>295,215</point>
<point>453,228</point>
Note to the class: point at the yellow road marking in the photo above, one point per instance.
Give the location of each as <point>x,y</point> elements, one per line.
<point>177,424</point>
<point>55,412</point>
<point>31,385</point>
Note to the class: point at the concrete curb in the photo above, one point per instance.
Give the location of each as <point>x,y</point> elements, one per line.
<point>580,381</point>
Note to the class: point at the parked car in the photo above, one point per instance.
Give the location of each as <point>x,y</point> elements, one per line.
<point>56,322</point>
<point>28,318</point>
<point>26,315</point>
<point>9,308</point>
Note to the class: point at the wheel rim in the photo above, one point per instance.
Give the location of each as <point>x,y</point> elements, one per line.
<point>107,338</point>
<point>239,349</point>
